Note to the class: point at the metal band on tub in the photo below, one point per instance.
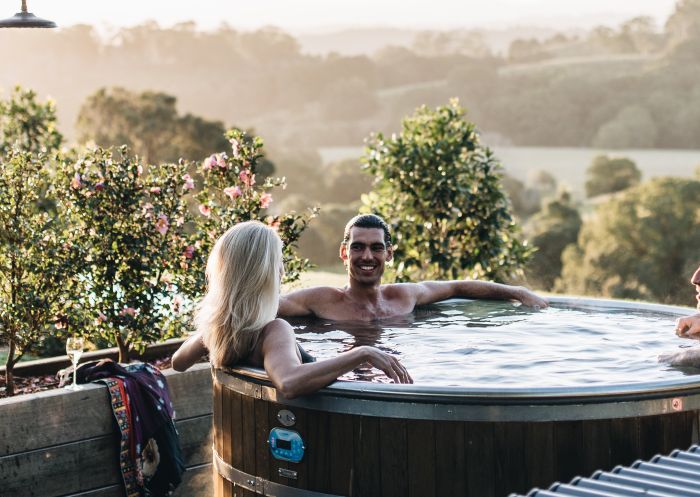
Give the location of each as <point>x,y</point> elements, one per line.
<point>259,485</point>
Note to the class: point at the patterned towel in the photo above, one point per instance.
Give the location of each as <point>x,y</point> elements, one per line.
<point>150,457</point>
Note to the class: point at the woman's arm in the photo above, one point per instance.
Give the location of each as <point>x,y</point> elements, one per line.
<point>292,378</point>
<point>189,353</point>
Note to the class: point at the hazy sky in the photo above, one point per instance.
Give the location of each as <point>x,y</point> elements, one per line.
<point>312,15</point>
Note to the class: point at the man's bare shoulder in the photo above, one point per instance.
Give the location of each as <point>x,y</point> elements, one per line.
<point>325,293</point>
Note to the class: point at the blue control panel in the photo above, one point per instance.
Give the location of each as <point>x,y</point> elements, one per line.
<point>286,445</point>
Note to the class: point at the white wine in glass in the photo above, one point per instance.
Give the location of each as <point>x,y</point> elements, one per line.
<point>74,349</point>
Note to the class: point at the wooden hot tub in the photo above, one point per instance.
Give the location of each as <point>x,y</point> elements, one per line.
<point>367,439</point>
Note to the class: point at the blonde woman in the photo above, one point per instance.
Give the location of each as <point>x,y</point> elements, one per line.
<point>236,320</point>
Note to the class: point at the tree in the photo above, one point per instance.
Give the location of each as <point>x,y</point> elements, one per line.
<point>132,224</point>
<point>38,259</point>
<point>28,124</point>
<point>440,190</point>
<point>550,231</point>
<point>610,175</point>
<point>633,127</point>
<point>641,245</point>
<point>149,124</point>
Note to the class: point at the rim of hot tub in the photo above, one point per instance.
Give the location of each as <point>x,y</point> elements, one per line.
<point>489,404</point>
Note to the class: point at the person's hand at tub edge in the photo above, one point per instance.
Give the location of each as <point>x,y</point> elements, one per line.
<point>292,378</point>
<point>688,326</point>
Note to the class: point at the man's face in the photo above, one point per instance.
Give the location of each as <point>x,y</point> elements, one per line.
<point>365,253</point>
<point>695,280</point>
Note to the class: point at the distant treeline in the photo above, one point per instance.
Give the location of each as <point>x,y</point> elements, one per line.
<point>633,86</point>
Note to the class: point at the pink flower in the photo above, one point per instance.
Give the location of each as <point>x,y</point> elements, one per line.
<point>265,200</point>
<point>247,178</point>
<point>273,222</point>
<point>155,189</point>
<point>235,148</point>
<point>101,318</point>
<point>147,210</point>
<point>128,311</point>
<point>233,192</point>
<point>221,161</point>
<point>162,224</point>
<point>139,170</point>
<point>75,182</point>
<point>205,210</point>
<point>189,182</point>
<point>189,252</point>
<point>209,162</point>
<point>60,324</point>
<point>177,303</point>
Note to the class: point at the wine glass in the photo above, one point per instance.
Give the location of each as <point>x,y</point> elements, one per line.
<point>74,349</point>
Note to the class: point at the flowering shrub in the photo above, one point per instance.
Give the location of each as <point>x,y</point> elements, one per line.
<point>132,221</point>
<point>38,259</point>
<point>108,247</point>
<point>232,192</point>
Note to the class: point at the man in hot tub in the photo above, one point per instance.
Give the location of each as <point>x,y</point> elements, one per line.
<point>688,327</point>
<point>365,249</point>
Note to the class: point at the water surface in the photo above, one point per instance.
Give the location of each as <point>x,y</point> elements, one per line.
<point>501,344</point>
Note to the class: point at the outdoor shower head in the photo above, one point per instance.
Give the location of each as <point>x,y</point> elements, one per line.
<point>26,19</point>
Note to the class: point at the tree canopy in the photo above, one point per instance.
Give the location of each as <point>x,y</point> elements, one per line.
<point>640,245</point>
<point>440,190</point>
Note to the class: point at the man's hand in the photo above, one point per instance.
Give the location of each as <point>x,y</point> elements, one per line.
<point>688,326</point>
<point>531,299</point>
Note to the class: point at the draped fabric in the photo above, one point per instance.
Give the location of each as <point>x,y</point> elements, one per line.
<point>150,457</point>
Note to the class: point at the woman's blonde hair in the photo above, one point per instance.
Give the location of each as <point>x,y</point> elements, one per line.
<point>243,277</point>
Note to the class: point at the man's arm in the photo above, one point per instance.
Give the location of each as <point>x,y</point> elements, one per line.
<point>433,291</point>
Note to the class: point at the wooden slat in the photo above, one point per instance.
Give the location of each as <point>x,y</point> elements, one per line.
<point>196,436</point>
<point>539,454</point>
<point>651,436</point>
<point>231,409</point>
<point>568,447</point>
<point>450,462</point>
<point>341,454</point>
<point>624,441</point>
<point>319,439</point>
<point>509,454</point>
<point>88,464</point>
<point>195,481</point>
<point>479,439</point>
<point>248,442</point>
<point>191,391</point>
<point>366,477</point>
<point>62,469</point>
<point>393,457</point>
<point>68,416</point>
<point>596,451</point>
<point>262,430</point>
<point>420,437</point>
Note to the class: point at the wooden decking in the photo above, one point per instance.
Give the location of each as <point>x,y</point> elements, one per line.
<point>62,443</point>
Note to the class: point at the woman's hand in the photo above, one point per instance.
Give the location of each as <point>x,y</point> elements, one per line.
<point>387,363</point>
